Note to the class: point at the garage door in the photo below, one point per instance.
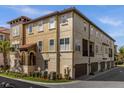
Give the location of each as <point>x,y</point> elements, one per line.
<point>94,67</point>
<point>80,70</point>
<point>102,66</point>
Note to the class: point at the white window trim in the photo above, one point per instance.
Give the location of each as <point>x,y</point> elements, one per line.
<point>49,44</point>
<point>64,17</point>
<point>15,31</point>
<point>65,44</point>
<point>41,22</point>
<point>28,30</point>
<point>38,44</point>
<point>54,22</point>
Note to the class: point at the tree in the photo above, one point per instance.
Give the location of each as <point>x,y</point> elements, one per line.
<point>121,50</point>
<point>5,48</point>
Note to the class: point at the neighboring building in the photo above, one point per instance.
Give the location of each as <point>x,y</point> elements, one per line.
<point>62,41</point>
<point>4,35</point>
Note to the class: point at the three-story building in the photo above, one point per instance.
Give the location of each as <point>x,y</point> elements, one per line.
<point>66,42</point>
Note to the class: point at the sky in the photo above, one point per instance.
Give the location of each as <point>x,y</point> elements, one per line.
<point>109,18</point>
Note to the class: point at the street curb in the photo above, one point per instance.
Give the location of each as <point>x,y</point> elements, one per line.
<point>41,83</point>
<point>101,73</point>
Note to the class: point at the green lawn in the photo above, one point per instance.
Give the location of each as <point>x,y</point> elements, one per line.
<point>34,79</point>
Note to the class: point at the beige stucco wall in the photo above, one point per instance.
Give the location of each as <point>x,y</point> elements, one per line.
<point>44,36</point>
<point>80,34</point>
<point>66,31</point>
<point>73,32</point>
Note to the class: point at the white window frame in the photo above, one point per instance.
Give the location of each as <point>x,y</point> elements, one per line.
<point>2,37</point>
<point>40,48</point>
<point>97,33</point>
<point>41,26</point>
<point>16,31</point>
<point>91,30</point>
<point>28,29</point>
<point>85,26</point>
<point>52,47</point>
<point>65,47</point>
<point>64,20</point>
<point>52,21</point>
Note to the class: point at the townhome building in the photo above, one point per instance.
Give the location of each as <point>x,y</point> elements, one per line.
<point>65,41</point>
<point>4,35</point>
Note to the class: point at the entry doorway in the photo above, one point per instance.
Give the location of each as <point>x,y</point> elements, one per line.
<point>32,59</point>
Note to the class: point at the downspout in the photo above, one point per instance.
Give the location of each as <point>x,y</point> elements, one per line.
<point>73,64</point>
<point>23,35</point>
<point>57,44</point>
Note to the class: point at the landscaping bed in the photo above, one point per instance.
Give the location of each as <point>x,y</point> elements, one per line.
<point>31,78</point>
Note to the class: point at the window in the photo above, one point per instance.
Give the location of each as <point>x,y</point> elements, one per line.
<point>15,31</point>
<point>45,64</point>
<point>1,37</point>
<point>64,20</point>
<point>91,30</point>
<point>96,33</point>
<point>30,29</point>
<point>40,47</point>
<point>110,52</point>
<point>52,23</point>
<point>85,47</point>
<point>40,26</point>
<point>85,26</point>
<point>64,44</point>
<point>91,48</point>
<point>51,44</point>
<point>106,50</point>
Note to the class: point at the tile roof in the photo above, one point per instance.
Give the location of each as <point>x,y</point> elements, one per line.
<point>4,30</point>
<point>27,46</point>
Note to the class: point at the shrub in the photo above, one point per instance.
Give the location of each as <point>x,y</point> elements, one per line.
<point>59,76</point>
<point>52,76</point>
<point>119,63</point>
<point>44,74</point>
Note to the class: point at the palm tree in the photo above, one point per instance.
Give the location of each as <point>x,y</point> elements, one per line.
<point>5,48</point>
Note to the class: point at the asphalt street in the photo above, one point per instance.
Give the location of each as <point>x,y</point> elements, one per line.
<point>20,84</point>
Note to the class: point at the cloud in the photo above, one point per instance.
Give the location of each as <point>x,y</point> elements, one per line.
<point>28,10</point>
<point>110,21</point>
<point>4,25</point>
<point>117,34</point>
